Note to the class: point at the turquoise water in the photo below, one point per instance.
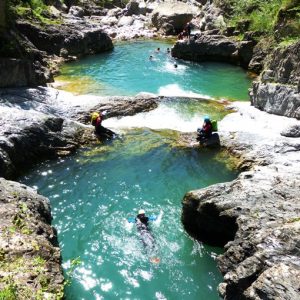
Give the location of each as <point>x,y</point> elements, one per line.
<point>94,192</point>
<point>127,70</point>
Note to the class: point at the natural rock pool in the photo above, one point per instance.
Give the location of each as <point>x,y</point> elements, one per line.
<point>127,70</point>
<point>94,192</point>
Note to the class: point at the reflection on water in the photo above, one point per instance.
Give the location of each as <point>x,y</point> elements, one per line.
<point>127,70</point>
<point>93,193</point>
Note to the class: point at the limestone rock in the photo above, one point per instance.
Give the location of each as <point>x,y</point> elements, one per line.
<point>255,216</point>
<point>173,15</point>
<point>109,21</point>
<point>291,131</point>
<point>35,123</point>
<point>29,246</point>
<point>276,98</point>
<point>285,278</point>
<point>132,8</point>
<point>278,90</point>
<point>125,21</point>
<point>77,40</point>
<point>76,11</point>
<point>214,48</point>
<point>22,72</point>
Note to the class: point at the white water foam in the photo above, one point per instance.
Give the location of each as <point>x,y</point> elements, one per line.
<point>174,90</point>
<point>159,218</point>
<point>163,117</point>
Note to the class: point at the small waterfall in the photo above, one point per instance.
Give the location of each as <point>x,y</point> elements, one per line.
<point>163,117</point>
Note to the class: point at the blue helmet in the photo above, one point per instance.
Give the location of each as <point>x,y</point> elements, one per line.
<point>206,118</point>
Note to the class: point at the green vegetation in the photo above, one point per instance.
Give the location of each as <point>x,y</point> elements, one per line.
<point>14,286</point>
<point>280,18</point>
<point>9,292</point>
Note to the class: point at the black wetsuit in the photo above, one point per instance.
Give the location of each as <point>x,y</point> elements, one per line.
<point>102,131</point>
<point>145,233</point>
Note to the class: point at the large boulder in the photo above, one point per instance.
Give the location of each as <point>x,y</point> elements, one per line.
<point>125,21</point>
<point>172,17</point>
<point>76,11</point>
<point>278,90</point>
<point>132,8</point>
<point>214,48</point>
<point>276,98</point>
<point>77,40</point>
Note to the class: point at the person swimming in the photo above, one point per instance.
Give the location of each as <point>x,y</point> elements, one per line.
<point>142,225</point>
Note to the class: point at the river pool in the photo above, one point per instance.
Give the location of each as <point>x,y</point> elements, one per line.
<point>127,71</point>
<point>94,192</point>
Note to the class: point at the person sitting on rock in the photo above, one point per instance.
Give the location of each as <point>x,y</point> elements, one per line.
<point>101,131</point>
<point>206,131</point>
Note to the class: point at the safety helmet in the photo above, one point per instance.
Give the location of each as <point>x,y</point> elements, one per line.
<point>141,212</point>
<point>206,118</point>
<point>94,116</point>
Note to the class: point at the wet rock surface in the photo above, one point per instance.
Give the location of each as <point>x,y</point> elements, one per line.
<point>256,216</point>
<point>41,123</point>
<point>30,260</point>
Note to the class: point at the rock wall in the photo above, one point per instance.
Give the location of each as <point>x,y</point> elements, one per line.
<point>76,40</point>
<point>30,257</point>
<point>16,72</point>
<point>278,90</point>
<point>29,49</point>
<point>256,216</point>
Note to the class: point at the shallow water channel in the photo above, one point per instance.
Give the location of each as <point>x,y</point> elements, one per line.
<point>94,192</point>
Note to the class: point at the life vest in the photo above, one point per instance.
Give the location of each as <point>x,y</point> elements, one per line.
<point>214,125</point>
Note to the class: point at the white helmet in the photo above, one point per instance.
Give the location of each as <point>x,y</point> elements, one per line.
<point>141,212</point>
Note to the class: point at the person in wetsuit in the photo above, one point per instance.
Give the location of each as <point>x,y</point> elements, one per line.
<point>142,222</point>
<point>101,131</point>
